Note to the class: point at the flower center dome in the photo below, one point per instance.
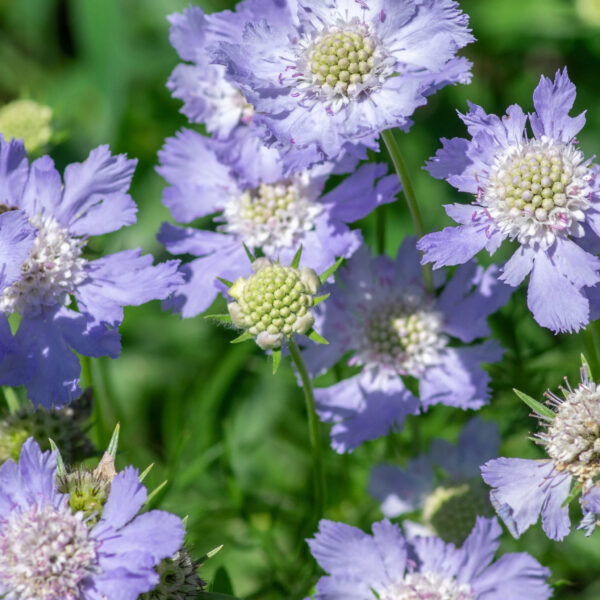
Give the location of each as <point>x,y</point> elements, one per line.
<point>52,271</point>
<point>418,586</point>
<point>403,334</point>
<point>273,216</point>
<point>341,62</point>
<point>45,554</point>
<point>539,190</point>
<point>572,439</point>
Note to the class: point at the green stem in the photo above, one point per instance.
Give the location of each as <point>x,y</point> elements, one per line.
<point>592,334</point>
<point>87,380</point>
<point>381,219</point>
<point>314,431</point>
<point>409,193</point>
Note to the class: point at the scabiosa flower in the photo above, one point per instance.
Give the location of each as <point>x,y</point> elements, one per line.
<point>522,489</point>
<point>540,191</point>
<point>47,551</point>
<point>450,500</point>
<point>381,313</point>
<point>387,566</point>
<point>339,72</point>
<point>92,201</point>
<point>277,216</point>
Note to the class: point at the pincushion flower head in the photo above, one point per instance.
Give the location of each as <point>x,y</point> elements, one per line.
<point>49,551</point>
<point>340,72</point>
<point>445,484</point>
<point>277,216</point>
<point>93,200</point>
<point>522,488</point>
<point>275,302</point>
<point>381,313</point>
<point>538,190</point>
<point>387,566</point>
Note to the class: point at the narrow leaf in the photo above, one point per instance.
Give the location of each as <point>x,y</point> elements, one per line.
<point>276,359</point>
<point>224,318</point>
<point>297,257</point>
<point>323,277</point>
<point>249,254</point>
<point>573,494</point>
<point>61,470</point>
<point>536,406</point>
<point>222,581</point>
<point>114,442</point>
<point>316,337</point>
<point>242,338</point>
<point>586,364</point>
<point>144,474</point>
<point>319,299</point>
<point>153,493</point>
<point>225,281</point>
<point>210,554</point>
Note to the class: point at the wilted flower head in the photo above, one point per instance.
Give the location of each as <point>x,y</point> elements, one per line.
<point>93,200</point>
<point>540,191</point>
<point>387,566</point>
<point>342,71</point>
<point>278,215</point>
<point>274,303</point>
<point>48,551</point>
<point>381,313</point>
<point>445,483</point>
<point>522,489</point>
<point>66,426</point>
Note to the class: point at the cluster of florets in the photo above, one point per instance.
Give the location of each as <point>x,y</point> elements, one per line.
<point>405,334</point>
<point>274,303</point>
<point>538,190</point>
<point>572,437</point>
<point>64,425</point>
<point>432,586</point>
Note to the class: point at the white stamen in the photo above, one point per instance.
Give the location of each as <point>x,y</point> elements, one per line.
<point>273,216</point>
<point>45,554</point>
<point>539,190</point>
<point>50,274</point>
<point>428,585</point>
<point>338,64</point>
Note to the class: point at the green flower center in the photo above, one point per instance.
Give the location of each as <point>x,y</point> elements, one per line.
<point>341,59</point>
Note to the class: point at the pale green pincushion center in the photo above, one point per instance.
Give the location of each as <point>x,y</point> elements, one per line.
<point>341,59</point>
<point>274,299</point>
<point>267,203</point>
<point>534,182</point>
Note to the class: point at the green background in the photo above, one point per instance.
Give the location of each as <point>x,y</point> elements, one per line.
<point>230,438</point>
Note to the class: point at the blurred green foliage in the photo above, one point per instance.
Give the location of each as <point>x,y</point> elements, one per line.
<point>230,438</point>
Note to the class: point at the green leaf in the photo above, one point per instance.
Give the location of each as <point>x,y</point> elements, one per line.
<point>536,406</point>
<point>316,337</point>
<point>222,582</point>
<point>323,277</point>
<point>276,359</point>
<point>572,495</point>
<point>249,254</point>
<point>144,474</point>
<point>242,338</point>
<point>215,596</point>
<point>155,491</point>
<point>319,299</point>
<point>586,365</point>
<point>225,281</point>
<point>224,318</point>
<point>297,257</point>
<point>114,442</point>
<point>61,470</point>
